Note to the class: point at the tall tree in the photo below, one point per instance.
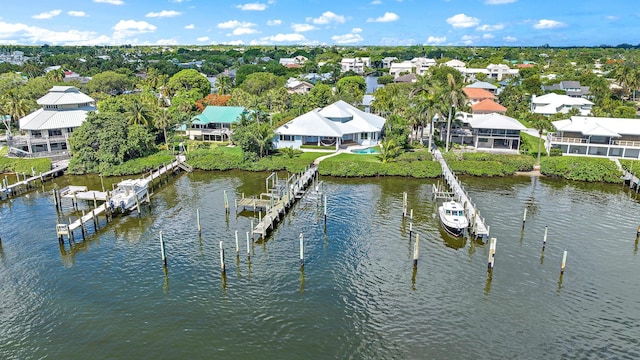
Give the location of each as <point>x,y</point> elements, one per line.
<point>542,124</point>
<point>454,97</point>
<point>162,120</point>
<point>223,85</point>
<point>138,113</point>
<point>189,79</point>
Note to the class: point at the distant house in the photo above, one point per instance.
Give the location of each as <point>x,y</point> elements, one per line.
<point>571,88</point>
<point>487,131</point>
<point>406,79</point>
<point>499,71</point>
<point>553,103</point>
<point>419,66</point>
<point>456,64</point>
<point>401,68</point>
<point>596,136</point>
<point>357,65</point>
<point>386,62</point>
<point>484,85</point>
<point>332,126</point>
<point>367,100</point>
<point>295,86</point>
<point>47,130</point>
<point>487,106</point>
<point>476,95</point>
<point>214,124</point>
<point>294,62</point>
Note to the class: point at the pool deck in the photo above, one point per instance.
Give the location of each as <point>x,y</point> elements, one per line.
<point>341,151</point>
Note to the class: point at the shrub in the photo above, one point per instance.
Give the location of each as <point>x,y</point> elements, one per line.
<point>20,165</point>
<point>581,169</point>
<point>140,165</point>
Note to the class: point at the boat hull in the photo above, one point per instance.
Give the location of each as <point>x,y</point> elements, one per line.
<point>452,218</point>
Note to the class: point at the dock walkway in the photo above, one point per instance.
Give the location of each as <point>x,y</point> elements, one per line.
<point>477,223</point>
<point>282,195</point>
<point>26,182</point>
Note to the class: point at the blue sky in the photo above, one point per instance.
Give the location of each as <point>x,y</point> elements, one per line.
<point>319,22</point>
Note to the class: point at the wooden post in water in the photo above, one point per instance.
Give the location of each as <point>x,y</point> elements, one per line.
<point>101,183</point>
<point>524,217</point>
<point>148,198</point>
<point>226,202</point>
<point>301,251</point>
<point>162,251</point>
<point>95,202</point>
<point>248,247</point>
<point>416,251</point>
<point>564,262</point>
<point>82,225</point>
<point>252,227</point>
<point>72,238</point>
<point>404,204</point>
<point>198,221</point>
<point>55,198</point>
<point>138,205</point>
<point>492,254</point>
<point>237,246</point>
<point>325,213</point>
<point>222,266</point>
<point>75,201</point>
<point>410,223</point>
<point>544,240</point>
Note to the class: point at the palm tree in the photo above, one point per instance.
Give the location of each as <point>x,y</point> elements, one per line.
<point>138,113</point>
<point>263,137</point>
<point>55,76</point>
<point>453,97</point>
<point>389,150</point>
<point>15,106</point>
<point>540,123</point>
<point>162,120</point>
<point>222,85</point>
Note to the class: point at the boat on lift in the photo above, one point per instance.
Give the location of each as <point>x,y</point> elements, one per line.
<point>453,218</point>
<point>125,194</point>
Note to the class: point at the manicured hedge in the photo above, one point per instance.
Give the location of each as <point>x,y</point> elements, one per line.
<point>21,165</point>
<point>581,168</point>
<point>488,164</point>
<point>223,158</point>
<point>137,166</point>
<point>408,165</point>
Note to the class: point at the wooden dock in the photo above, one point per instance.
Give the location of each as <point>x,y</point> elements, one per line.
<point>8,190</point>
<point>76,193</point>
<point>478,227</point>
<point>280,196</point>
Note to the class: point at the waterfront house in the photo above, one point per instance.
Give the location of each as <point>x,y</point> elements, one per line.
<point>487,106</point>
<point>484,85</point>
<point>417,65</point>
<point>456,64</point>
<point>596,136</point>
<point>47,130</point>
<point>295,86</point>
<point>476,95</point>
<point>487,131</point>
<point>332,126</point>
<point>553,103</point>
<point>214,124</point>
<point>386,62</point>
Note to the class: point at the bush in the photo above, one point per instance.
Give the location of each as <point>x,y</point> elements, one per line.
<point>140,165</point>
<point>411,164</point>
<point>488,164</point>
<point>555,152</point>
<point>581,169</point>
<point>20,165</point>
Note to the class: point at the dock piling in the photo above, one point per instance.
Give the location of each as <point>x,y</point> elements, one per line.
<point>248,247</point>
<point>237,246</point>
<point>544,240</point>
<point>162,251</point>
<point>301,250</point>
<point>492,254</point>
<point>416,250</point>
<point>222,266</point>
<point>564,262</point>
<point>410,223</point>
<point>198,221</point>
<point>524,217</point>
<point>325,213</point>
<point>226,202</point>
<point>404,204</point>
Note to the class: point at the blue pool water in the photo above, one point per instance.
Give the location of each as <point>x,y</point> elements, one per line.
<point>369,150</point>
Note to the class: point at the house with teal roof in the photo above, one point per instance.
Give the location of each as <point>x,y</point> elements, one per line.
<point>214,124</point>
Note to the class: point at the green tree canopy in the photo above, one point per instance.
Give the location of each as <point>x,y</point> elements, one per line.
<point>109,82</point>
<point>259,82</point>
<point>189,79</point>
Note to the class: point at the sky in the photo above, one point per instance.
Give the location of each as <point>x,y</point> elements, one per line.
<point>321,22</point>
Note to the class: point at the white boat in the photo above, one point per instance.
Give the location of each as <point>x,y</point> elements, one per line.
<point>452,218</point>
<point>124,196</point>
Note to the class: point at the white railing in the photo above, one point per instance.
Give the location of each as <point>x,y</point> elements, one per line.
<point>569,140</point>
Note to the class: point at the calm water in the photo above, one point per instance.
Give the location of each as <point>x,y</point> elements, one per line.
<point>358,297</point>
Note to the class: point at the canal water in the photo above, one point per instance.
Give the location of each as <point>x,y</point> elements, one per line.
<point>358,297</point>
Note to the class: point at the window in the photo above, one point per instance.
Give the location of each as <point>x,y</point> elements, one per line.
<point>286,137</point>
<point>364,136</point>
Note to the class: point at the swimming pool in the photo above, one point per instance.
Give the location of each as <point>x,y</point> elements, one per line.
<point>369,150</point>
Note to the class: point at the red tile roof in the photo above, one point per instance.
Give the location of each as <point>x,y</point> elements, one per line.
<point>488,105</point>
<point>478,94</point>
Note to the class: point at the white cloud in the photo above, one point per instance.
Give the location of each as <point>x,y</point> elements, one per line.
<point>509,39</point>
<point>163,13</point>
<point>347,38</point>
<point>436,39</point>
<point>167,42</point>
<point>190,27</point>
<point>252,7</point>
<point>376,2</point>
<point>486,27</point>
<point>132,25</point>
<point>612,17</point>
<point>387,17</point>
<point>548,24</point>
<point>391,41</point>
<point>77,13</point>
<point>203,38</point>
<point>462,21</point>
<point>22,33</point>
<point>487,36</point>
<point>468,39</point>
<point>112,2</point>
<point>243,31</point>
<point>499,2</point>
<point>328,17</point>
<point>47,14</point>
<point>302,27</point>
<point>232,24</point>
<point>275,22</point>
<point>356,30</point>
<point>284,38</point>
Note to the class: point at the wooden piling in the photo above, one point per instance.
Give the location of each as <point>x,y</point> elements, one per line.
<point>404,204</point>
<point>162,251</point>
<point>226,202</point>
<point>564,262</point>
<point>410,223</point>
<point>82,225</point>
<point>248,247</point>
<point>237,246</point>
<point>138,205</point>
<point>544,240</point>
<point>301,250</point>
<point>524,217</point>
<point>252,227</point>
<point>95,202</point>
<point>492,254</point>
<point>198,221</point>
<point>55,200</point>
<point>325,213</point>
<point>416,251</point>
<point>222,266</point>
<point>101,183</point>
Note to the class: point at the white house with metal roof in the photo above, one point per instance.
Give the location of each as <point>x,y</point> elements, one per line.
<point>487,131</point>
<point>596,136</point>
<point>553,103</point>
<point>334,125</point>
<point>47,130</point>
